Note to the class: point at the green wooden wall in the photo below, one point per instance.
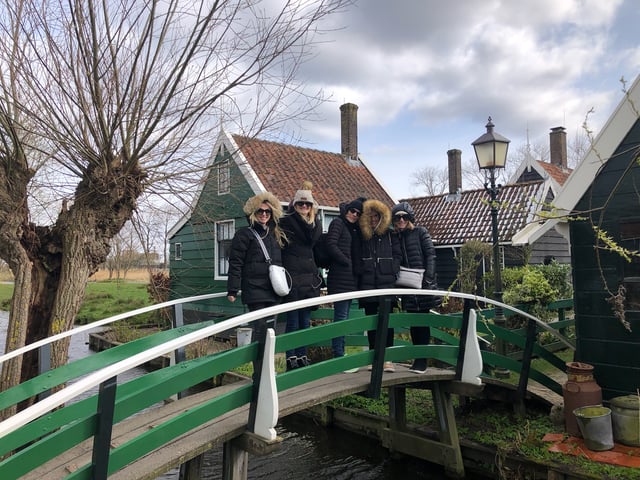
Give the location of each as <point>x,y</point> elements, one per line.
<point>194,273</point>
<point>613,204</point>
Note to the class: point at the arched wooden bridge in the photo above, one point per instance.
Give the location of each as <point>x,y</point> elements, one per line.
<point>148,425</point>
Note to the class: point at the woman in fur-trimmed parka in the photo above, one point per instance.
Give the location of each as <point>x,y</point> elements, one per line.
<point>248,269</point>
<point>417,252</point>
<point>379,262</point>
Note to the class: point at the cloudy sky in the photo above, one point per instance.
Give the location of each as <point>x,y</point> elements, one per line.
<point>426,75</point>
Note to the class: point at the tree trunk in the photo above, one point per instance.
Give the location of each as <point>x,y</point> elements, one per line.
<point>16,329</point>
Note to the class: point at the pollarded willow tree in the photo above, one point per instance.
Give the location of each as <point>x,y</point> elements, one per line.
<point>104,101</point>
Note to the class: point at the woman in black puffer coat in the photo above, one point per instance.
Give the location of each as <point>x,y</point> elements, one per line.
<point>417,252</point>
<point>248,269</point>
<point>379,261</point>
<point>343,241</point>
<point>302,229</point>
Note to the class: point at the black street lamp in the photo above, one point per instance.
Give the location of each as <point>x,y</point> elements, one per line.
<point>491,152</point>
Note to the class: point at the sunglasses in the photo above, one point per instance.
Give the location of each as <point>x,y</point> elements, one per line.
<point>401,217</point>
<point>354,211</point>
<point>264,211</point>
<point>304,204</point>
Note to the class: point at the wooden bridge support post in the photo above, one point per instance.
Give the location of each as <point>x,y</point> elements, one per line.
<point>235,462</point>
<point>398,408</point>
<point>235,454</point>
<point>400,438</point>
<point>448,431</point>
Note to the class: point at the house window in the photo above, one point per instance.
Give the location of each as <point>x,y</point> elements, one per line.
<point>224,177</point>
<point>224,234</point>
<point>178,251</point>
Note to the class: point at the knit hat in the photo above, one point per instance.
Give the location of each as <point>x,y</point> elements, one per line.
<point>304,194</point>
<point>403,208</point>
<point>356,204</point>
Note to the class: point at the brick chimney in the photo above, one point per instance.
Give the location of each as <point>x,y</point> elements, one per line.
<point>349,131</point>
<point>558,147</point>
<point>455,170</point>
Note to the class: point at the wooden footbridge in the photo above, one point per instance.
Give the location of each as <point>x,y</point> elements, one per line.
<point>149,425</point>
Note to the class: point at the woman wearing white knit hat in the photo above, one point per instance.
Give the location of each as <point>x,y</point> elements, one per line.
<point>302,229</point>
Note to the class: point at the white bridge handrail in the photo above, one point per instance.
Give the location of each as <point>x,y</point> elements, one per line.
<point>105,321</point>
<point>96,378</point>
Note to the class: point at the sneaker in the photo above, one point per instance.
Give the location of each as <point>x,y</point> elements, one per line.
<point>292,362</point>
<point>419,366</point>
<point>352,370</point>
<point>389,367</point>
<point>303,361</point>
<point>370,367</point>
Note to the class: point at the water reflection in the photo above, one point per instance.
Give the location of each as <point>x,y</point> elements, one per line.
<point>312,451</point>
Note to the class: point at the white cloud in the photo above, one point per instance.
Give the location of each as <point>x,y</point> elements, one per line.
<point>417,67</point>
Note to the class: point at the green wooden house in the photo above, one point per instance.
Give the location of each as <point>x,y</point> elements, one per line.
<point>239,168</point>
<point>602,200</point>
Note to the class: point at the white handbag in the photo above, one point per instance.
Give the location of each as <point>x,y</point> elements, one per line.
<point>410,277</point>
<point>278,275</point>
<point>280,280</point>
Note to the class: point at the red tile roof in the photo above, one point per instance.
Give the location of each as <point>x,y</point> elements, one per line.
<point>559,174</point>
<point>454,222</point>
<point>283,168</point>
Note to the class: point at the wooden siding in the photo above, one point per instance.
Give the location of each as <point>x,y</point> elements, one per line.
<point>447,267</point>
<point>194,273</point>
<point>550,245</point>
<point>602,340</point>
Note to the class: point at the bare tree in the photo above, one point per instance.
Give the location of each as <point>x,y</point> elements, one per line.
<point>431,180</point>
<point>102,101</point>
<point>577,148</point>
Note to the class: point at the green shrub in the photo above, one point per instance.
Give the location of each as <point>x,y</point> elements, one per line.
<point>534,288</point>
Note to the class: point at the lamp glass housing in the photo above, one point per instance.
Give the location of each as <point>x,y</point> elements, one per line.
<point>491,149</point>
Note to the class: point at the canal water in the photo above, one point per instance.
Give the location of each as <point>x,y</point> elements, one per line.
<point>308,450</point>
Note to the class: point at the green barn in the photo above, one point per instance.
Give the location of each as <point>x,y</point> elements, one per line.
<point>239,168</point>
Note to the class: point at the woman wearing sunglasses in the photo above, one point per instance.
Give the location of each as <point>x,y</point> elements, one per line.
<point>248,269</point>
<point>343,243</point>
<point>302,229</point>
<point>417,252</point>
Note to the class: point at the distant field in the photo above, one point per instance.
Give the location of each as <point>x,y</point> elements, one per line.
<point>103,297</point>
<point>133,275</point>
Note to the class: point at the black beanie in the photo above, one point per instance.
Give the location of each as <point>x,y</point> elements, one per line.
<point>357,204</point>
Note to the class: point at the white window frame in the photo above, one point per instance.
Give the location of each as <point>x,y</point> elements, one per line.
<point>177,251</point>
<point>224,176</point>
<point>231,231</point>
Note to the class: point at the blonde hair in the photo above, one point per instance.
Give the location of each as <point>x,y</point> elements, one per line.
<point>253,204</point>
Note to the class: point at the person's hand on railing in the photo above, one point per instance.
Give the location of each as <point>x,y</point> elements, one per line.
<point>231,298</point>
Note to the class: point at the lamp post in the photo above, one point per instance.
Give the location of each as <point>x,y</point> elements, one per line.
<point>491,153</point>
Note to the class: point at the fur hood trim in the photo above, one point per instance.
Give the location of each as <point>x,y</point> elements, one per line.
<point>254,203</point>
<point>381,209</point>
